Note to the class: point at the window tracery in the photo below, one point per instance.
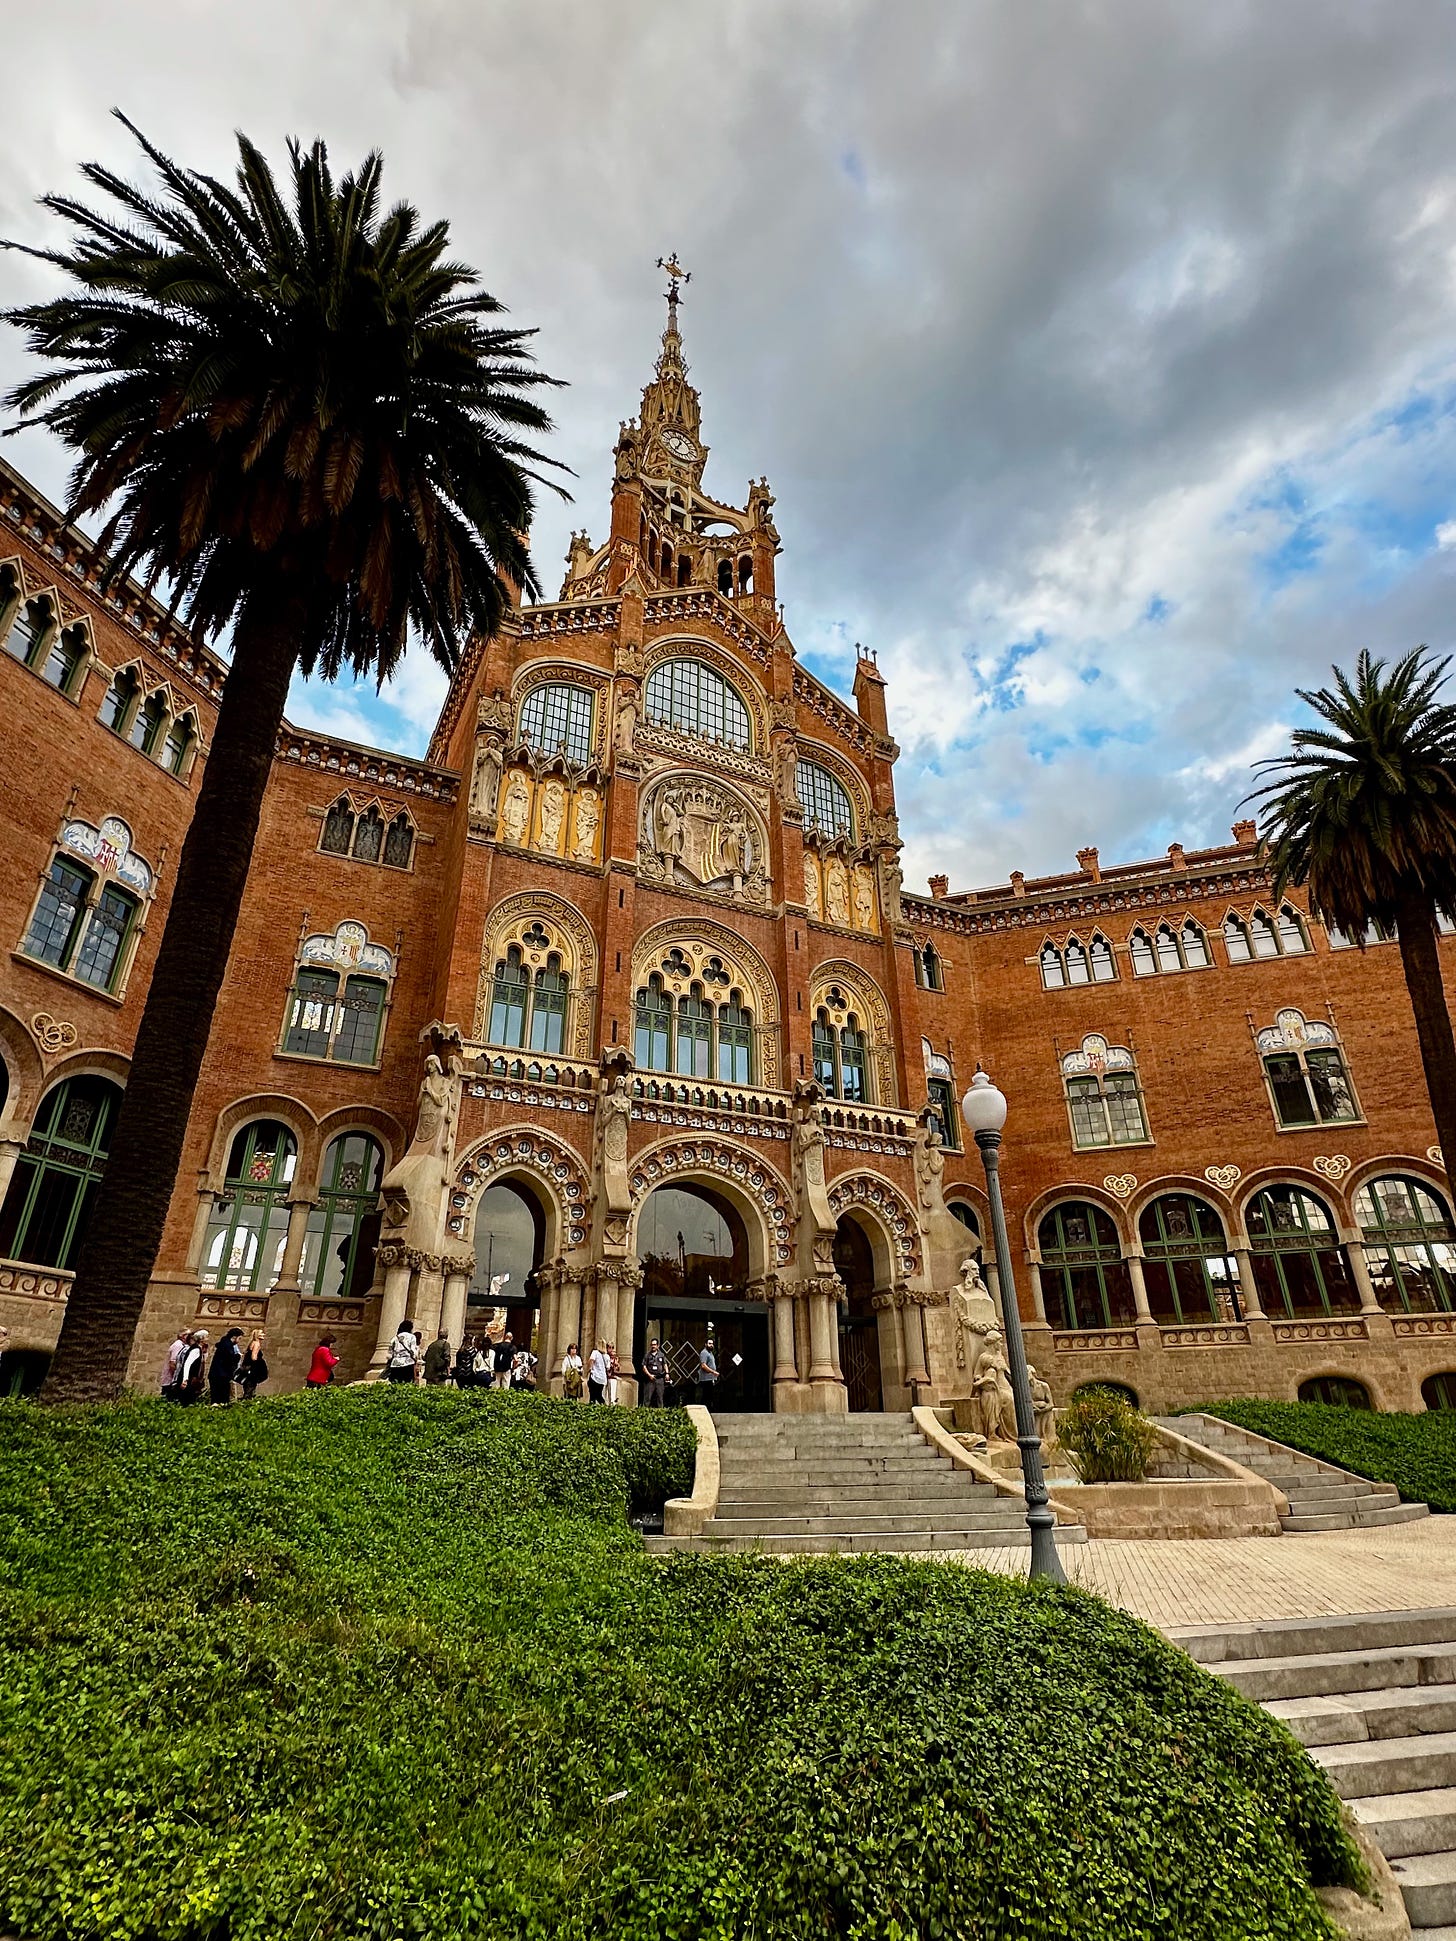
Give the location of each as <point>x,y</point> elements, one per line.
<point>843,998</point>
<point>339,998</point>
<point>43,1218</point>
<point>1104,1099</point>
<point>1168,947</point>
<point>1260,935</point>
<point>1304,1068</point>
<point>1074,963</point>
<point>368,833</point>
<point>537,977</point>
<point>694,698</point>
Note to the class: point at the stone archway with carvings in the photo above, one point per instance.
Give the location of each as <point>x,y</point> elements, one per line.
<point>886,1204</point>
<point>541,925</point>
<point>718,1159</point>
<point>524,1151</point>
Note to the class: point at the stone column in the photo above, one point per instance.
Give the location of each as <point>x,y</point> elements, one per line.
<point>429,1297</point>
<point>802,1355</point>
<point>1038,1292</point>
<point>397,1274</point>
<point>10,1151</point>
<point>548,1282</point>
<point>1360,1274</point>
<point>785,1368</point>
<point>568,1320</point>
<point>821,1333</point>
<point>1249,1300</point>
<point>287,1281</point>
<point>452,1312</point>
<point>1139,1291</point>
<point>912,1326</point>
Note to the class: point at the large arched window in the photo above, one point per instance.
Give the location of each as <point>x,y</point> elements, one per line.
<point>1410,1244</point>
<point>1083,1274</point>
<point>557,719</point>
<point>55,1179</point>
<point>1299,1265</point>
<point>826,804</point>
<point>841,1057</point>
<point>243,1249</point>
<point>343,1228</point>
<point>695,1035</point>
<point>529,1008</point>
<point>693,697</point>
<point>1335,1392</point>
<point>1191,1275</point>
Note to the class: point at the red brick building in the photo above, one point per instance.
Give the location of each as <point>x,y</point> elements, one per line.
<point>611,1014</point>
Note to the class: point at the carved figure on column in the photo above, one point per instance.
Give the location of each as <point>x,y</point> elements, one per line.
<point>808,1148</point>
<point>515,808</point>
<point>614,1120</point>
<point>836,891</point>
<point>553,809</point>
<point>813,902</point>
<point>626,730</point>
<point>414,1191</point>
<point>485,784</point>
<point>864,899</point>
<point>588,821</point>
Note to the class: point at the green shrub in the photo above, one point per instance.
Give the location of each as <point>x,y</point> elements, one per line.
<point>1415,1452</point>
<point>390,1664</point>
<point>1105,1439</point>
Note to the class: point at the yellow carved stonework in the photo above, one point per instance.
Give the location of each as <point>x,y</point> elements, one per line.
<point>813,893</point>
<point>862,897</point>
<point>586,826</point>
<point>551,801</point>
<point>515,817</point>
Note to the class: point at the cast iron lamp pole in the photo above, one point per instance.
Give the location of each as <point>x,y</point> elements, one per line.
<point>985,1112</point>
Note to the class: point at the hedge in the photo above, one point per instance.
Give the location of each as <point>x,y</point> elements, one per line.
<point>1415,1452</point>
<point>392,1664</point>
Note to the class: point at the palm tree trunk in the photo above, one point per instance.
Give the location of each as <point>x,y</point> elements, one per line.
<point>124,1230</point>
<point>1420,959</point>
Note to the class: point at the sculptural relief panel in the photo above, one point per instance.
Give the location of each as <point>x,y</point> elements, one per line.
<point>700,834</point>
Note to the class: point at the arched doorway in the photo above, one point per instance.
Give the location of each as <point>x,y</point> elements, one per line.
<point>693,1248</point>
<point>859,1323</point>
<point>510,1245</point>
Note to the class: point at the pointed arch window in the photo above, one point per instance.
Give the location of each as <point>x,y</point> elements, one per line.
<point>399,843</point>
<point>147,724</point>
<point>694,698</point>
<point>45,1211</point>
<point>369,836</point>
<point>178,745</point>
<point>827,808</point>
<point>1053,970</point>
<point>1261,936</point>
<point>1077,963</point>
<point>343,1227</point>
<point>1083,1274</point>
<point>119,700</point>
<point>529,1008</point>
<point>929,967</point>
<point>1168,947</point>
<point>1410,1244</point>
<point>1078,971</point>
<point>338,834</point>
<point>557,719</point>
<point>30,633</point>
<point>64,655</point>
<point>510,992</point>
<point>1299,1266</point>
<point>841,1057</point>
<point>243,1246</point>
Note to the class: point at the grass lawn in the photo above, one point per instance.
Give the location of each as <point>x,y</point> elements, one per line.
<point>1415,1452</point>
<point>391,1663</point>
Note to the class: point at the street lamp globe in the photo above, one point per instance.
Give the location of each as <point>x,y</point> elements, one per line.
<point>983,1105</point>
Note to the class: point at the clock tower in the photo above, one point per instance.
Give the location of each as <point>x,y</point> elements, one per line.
<point>666,530</point>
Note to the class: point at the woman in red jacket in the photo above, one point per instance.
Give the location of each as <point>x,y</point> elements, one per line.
<point>325,1361</point>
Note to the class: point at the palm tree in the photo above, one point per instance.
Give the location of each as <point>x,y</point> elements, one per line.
<point>1363,815</point>
<point>297,413</point>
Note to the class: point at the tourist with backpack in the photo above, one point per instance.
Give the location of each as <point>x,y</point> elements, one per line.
<point>402,1359</point>
<point>437,1361</point>
<point>573,1375</point>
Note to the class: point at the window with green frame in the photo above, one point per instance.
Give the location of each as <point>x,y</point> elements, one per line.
<point>1439,1391</point>
<point>941,1099</point>
<point>841,1058</point>
<point>30,631</point>
<point>1300,1267</point>
<point>1410,1244</point>
<point>1084,1277</point>
<point>147,724</point>
<point>1106,1110</point>
<point>1191,1275</point>
<point>529,1008</point>
<point>243,1247</point>
<point>55,1178</point>
<point>325,1022</point>
<point>343,1227</point>
<point>74,929</point>
<point>694,1036</point>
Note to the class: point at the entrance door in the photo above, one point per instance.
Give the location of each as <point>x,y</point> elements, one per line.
<point>739,1333</point>
<point>859,1328</point>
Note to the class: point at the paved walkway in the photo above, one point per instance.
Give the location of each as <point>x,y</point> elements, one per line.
<point>1411,1566</point>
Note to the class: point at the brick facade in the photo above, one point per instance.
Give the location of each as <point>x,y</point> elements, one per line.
<point>615,813</point>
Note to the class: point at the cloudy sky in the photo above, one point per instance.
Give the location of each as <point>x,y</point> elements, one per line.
<point>1101,353</point>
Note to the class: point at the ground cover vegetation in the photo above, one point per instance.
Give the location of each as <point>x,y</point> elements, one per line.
<point>1104,1438</point>
<point>393,1664</point>
<point>1415,1452</point>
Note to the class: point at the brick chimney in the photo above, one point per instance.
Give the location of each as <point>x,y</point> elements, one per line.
<point>1246,833</point>
<point>938,886</point>
<point>1176,858</point>
<point>1087,860</point>
<point>1018,882</point>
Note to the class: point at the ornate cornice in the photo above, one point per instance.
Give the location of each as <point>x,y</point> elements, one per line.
<point>1166,889</point>
<point>346,759</point>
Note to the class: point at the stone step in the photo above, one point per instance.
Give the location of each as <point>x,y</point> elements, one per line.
<point>1428,1887</point>
<point>1384,1668</point>
<point>847,1474</point>
<point>914,1517</point>
<point>1220,1645</point>
<point>1343,1718</point>
<point>1337,1495</point>
<point>1397,1513</point>
<point>1297,1525</point>
<point>864,1540</point>
<point>764,1502</point>
<point>1390,1765</point>
<point>1409,1823</point>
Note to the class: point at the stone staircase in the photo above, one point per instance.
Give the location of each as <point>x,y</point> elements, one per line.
<point>798,1484</point>
<point>1321,1497</point>
<point>1374,1699</point>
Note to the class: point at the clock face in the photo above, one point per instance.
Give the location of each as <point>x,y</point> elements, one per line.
<point>679,444</point>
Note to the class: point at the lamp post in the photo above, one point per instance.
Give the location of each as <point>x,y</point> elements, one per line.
<point>985,1113</point>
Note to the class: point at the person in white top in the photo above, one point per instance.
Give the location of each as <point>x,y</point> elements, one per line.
<point>573,1375</point>
<point>613,1372</point>
<point>598,1373</point>
<point>403,1358</point>
<point>173,1363</point>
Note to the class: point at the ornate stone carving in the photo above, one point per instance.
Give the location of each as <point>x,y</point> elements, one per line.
<point>523,1149</point>
<point>1121,1185</point>
<point>1433,1153</point>
<point>515,809</point>
<point>614,1119</point>
<point>892,1211</point>
<point>701,833</point>
<point>625,732</point>
<point>1042,1407</point>
<point>494,714</point>
<point>552,816</point>
<point>1223,1177</point>
<point>53,1035</point>
<point>702,1155</point>
<point>1331,1166</point>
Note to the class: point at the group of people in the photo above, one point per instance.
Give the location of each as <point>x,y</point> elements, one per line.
<point>195,1371</point>
<point>479,1362</point>
<point>600,1375</point>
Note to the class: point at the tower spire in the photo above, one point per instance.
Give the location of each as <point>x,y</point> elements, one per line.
<point>669,399</point>
<point>670,361</point>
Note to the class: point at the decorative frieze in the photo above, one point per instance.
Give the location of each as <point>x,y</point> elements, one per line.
<point>1331,1329</point>
<point>1093,1341</point>
<point>35,1283</point>
<point>1212,1334</point>
<point>1411,1327</point>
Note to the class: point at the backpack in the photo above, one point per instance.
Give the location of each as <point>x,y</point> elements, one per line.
<point>571,1382</point>
<point>403,1351</point>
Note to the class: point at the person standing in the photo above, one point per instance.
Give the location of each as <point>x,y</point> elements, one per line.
<point>598,1372</point>
<point>253,1368</point>
<point>654,1367</point>
<point>402,1359</point>
<point>523,1369</point>
<point>324,1362</point>
<point>504,1360</point>
<point>465,1363</point>
<point>573,1375</point>
<point>224,1370</point>
<point>172,1367</point>
<point>437,1361</point>
<point>614,1374</point>
<point>707,1375</point>
<point>192,1370</point>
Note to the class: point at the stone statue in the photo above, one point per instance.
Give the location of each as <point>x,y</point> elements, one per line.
<point>553,811</point>
<point>433,1120</point>
<point>929,1170</point>
<point>991,1390</point>
<point>614,1119</point>
<point>1042,1407</point>
<point>974,1314</point>
<point>813,902</point>
<point>516,808</point>
<point>668,831</point>
<point>891,882</point>
<point>626,722</point>
<point>786,770</point>
<point>588,820</point>
<point>733,848</point>
<point>816,1215</point>
<point>485,784</point>
<point>864,899</point>
<point>836,891</point>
